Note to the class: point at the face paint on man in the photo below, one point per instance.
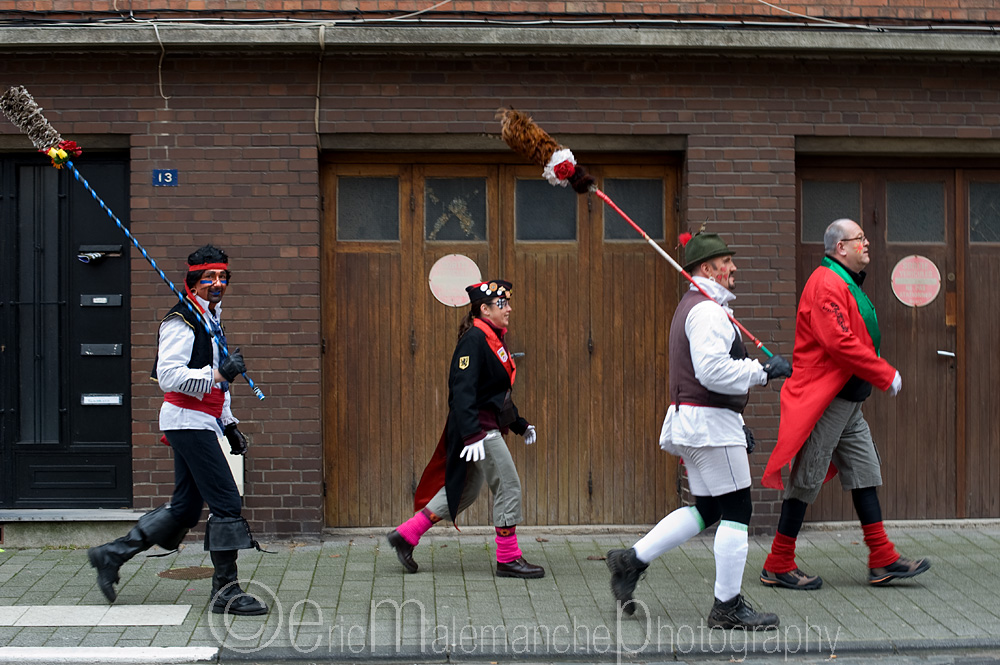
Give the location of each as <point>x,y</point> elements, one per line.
<point>722,270</point>
<point>212,286</point>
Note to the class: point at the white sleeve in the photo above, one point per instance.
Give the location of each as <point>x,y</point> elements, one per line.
<point>173,354</point>
<point>227,416</point>
<point>711,334</point>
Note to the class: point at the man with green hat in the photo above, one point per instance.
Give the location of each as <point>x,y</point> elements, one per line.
<point>710,380</point>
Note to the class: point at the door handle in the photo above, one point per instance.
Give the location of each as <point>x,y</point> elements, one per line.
<point>947,354</point>
<point>518,355</point>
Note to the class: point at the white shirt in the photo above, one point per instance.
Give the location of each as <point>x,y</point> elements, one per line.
<point>710,335</point>
<point>176,344</point>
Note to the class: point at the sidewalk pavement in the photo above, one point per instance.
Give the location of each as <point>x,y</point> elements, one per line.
<point>347,598</point>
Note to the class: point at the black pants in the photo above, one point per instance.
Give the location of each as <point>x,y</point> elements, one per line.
<point>201,475</point>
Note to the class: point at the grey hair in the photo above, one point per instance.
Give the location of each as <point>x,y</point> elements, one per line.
<point>835,233</point>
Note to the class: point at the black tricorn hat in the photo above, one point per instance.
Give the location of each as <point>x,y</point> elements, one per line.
<point>494,288</point>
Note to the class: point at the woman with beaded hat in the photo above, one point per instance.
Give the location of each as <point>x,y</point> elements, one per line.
<point>472,450</point>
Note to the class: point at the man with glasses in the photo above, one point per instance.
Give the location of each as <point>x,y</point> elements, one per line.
<point>822,428</point>
<point>472,450</point>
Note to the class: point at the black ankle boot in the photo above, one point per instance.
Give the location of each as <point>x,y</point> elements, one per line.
<point>227,596</point>
<point>626,570</point>
<point>157,527</point>
<point>739,613</point>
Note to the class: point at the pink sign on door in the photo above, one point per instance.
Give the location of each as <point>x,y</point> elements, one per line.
<point>916,281</point>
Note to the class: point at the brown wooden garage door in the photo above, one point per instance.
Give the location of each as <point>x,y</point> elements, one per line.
<point>588,314</point>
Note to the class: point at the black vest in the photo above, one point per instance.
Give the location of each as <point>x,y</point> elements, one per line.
<point>202,352</point>
<point>684,387</point>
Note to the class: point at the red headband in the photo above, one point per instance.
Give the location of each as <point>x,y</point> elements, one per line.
<point>209,266</point>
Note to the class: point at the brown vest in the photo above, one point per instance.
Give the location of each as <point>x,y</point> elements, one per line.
<point>684,387</point>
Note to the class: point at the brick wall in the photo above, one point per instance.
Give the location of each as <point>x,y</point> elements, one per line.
<point>240,131</point>
<point>898,10</point>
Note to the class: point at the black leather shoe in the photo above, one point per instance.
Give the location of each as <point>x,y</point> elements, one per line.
<point>626,570</point>
<point>738,613</point>
<point>107,571</point>
<point>793,579</point>
<point>404,550</point>
<point>902,568</point>
<point>520,568</point>
<point>234,600</point>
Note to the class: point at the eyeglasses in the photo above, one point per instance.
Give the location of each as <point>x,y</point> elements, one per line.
<point>861,238</point>
<point>500,303</point>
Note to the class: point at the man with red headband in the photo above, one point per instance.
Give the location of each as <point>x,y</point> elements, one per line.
<point>822,428</point>
<point>194,370</point>
<point>472,450</point>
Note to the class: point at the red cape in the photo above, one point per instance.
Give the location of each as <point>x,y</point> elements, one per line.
<point>831,345</point>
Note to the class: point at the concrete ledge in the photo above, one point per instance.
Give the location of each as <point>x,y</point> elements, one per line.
<point>71,515</point>
<point>64,528</point>
<point>485,38</point>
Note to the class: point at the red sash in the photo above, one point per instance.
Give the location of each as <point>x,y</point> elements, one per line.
<point>498,347</point>
<point>210,404</point>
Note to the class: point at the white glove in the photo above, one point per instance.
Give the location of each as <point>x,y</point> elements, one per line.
<point>897,384</point>
<point>529,435</point>
<point>474,451</point>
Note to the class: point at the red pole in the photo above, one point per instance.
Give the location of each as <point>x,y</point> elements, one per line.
<point>677,266</point>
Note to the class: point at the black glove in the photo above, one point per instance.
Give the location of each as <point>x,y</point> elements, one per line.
<point>237,442</point>
<point>751,442</point>
<point>232,366</point>
<point>776,367</point>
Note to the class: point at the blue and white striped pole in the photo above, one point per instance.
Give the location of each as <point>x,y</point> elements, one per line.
<point>222,347</point>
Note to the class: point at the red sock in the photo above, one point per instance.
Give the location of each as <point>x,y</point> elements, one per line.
<point>881,551</point>
<point>781,558</point>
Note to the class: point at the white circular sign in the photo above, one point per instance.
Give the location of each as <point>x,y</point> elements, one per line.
<point>916,281</point>
<point>450,275</point>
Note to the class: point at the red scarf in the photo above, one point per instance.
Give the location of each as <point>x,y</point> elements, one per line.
<point>498,347</point>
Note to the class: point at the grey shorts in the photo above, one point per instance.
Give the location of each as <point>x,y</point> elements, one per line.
<point>715,470</point>
<point>841,436</point>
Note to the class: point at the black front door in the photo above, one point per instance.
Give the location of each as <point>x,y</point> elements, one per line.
<point>65,416</point>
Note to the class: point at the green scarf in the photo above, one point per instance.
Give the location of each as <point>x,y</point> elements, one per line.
<point>865,305</point>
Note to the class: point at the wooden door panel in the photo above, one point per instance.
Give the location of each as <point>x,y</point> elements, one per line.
<point>367,386</point>
<point>634,293</point>
<point>591,318</point>
<point>981,241</point>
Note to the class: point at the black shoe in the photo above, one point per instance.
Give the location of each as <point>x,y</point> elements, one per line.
<point>404,550</point>
<point>520,568</point>
<point>234,600</point>
<point>900,569</point>
<point>107,565</point>
<point>227,596</point>
<point>793,579</point>
<point>626,571</point>
<point>739,613</point>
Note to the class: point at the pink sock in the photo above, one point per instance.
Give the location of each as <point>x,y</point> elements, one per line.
<point>413,528</point>
<point>507,549</point>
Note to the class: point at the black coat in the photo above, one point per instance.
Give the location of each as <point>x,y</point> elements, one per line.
<point>477,381</point>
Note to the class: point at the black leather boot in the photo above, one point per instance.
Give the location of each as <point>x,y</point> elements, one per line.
<point>626,570</point>
<point>227,596</point>
<point>157,527</point>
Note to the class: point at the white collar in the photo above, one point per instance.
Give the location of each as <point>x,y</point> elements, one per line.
<point>718,292</point>
<point>204,306</point>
